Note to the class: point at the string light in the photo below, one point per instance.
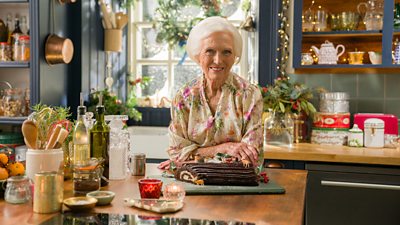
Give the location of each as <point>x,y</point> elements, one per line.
<point>283,49</point>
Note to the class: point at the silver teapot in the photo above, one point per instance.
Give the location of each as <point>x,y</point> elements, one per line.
<point>328,54</point>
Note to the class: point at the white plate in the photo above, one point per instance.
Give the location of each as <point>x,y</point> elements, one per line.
<point>155,205</point>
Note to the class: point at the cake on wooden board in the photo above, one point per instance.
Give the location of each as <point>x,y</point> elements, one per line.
<point>232,174</point>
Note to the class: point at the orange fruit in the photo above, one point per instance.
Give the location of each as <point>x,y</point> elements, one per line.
<point>3,159</point>
<point>3,174</point>
<point>16,169</point>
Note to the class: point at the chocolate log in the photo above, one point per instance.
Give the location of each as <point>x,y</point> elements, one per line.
<point>233,174</point>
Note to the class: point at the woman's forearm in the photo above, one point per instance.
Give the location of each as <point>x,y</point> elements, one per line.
<point>210,151</point>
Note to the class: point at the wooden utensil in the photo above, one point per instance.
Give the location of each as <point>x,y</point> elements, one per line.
<point>122,20</point>
<point>30,132</point>
<point>53,137</point>
<point>61,138</point>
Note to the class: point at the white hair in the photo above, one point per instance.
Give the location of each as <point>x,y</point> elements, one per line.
<point>207,27</point>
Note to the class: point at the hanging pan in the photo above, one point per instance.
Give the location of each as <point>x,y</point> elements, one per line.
<point>57,49</point>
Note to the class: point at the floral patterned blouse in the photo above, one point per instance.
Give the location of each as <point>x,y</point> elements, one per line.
<point>237,117</point>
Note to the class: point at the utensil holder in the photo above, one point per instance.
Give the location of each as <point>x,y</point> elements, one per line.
<point>112,40</point>
<point>38,160</point>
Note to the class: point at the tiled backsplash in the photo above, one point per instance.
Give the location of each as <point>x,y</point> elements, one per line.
<point>369,93</point>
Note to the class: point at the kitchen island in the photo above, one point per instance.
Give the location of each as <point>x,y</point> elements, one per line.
<point>287,208</point>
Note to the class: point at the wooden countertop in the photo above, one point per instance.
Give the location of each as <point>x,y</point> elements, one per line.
<point>274,209</point>
<point>330,153</point>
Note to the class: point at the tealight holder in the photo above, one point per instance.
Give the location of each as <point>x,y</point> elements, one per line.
<point>150,188</point>
<point>174,191</point>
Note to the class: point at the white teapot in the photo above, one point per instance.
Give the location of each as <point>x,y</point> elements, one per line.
<point>328,54</point>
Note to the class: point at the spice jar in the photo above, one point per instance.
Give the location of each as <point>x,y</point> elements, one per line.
<point>137,164</point>
<point>25,48</point>
<point>12,102</point>
<point>18,190</point>
<point>5,52</point>
<point>86,179</point>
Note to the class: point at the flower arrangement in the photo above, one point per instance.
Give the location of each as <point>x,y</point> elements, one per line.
<point>285,96</point>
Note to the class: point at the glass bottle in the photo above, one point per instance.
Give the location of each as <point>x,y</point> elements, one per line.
<point>24,25</point>
<point>100,141</point>
<point>80,138</point>
<point>16,32</point>
<point>10,27</point>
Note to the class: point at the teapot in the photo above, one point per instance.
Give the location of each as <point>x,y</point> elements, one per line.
<point>328,54</point>
<point>372,14</point>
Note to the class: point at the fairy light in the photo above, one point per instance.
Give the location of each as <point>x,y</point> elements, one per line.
<point>283,49</point>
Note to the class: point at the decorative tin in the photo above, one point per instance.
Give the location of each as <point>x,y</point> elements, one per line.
<point>332,120</point>
<point>48,192</point>
<point>329,136</point>
<point>334,102</point>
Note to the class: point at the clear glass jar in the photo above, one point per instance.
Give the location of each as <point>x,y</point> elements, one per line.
<point>86,179</point>
<point>5,52</point>
<point>13,102</point>
<point>278,130</point>
<point>16,47</point>
<point>25,48</point>
<point>18,190</point>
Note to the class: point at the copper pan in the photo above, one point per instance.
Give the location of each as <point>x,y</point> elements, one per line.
<point>58,50</point>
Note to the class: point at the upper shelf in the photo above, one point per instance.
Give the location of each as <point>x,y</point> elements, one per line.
<point>355,33</point>
<point>12,64</point>
<point>14,1</point>
<point>12,120</point>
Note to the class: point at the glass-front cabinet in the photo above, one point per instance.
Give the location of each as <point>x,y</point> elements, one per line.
<point>346,34</point>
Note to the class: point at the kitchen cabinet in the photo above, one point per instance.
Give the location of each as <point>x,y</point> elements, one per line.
<point>352,194</point>
<point>358,39</point>
<point>59,84</point>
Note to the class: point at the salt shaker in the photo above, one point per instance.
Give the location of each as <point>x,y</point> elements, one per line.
<point>138,164</point>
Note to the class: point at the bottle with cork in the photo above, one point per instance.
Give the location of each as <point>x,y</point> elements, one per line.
<point>100,140</point>
<point>81,137</point>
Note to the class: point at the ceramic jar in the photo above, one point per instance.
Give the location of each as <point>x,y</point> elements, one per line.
<point>356,137</point>
<point>374,133</point>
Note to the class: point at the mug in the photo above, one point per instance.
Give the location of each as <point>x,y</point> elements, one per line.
<point>356,58</point>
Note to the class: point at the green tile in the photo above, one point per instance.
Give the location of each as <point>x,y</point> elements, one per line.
<point>353,106</point>
<point>345,83</point>
<point>392,89</point>
<point>301,78</point>
<point>370,106</point>
<point>392,107</point>
<point>319,81</point>
<point>371,85</point>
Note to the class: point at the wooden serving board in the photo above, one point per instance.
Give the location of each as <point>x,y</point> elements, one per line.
<point>191,189</point>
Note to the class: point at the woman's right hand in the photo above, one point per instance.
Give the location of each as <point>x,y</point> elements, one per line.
<point>241,151</point>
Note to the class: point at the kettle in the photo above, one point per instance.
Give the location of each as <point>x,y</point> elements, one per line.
<point>328,54</point>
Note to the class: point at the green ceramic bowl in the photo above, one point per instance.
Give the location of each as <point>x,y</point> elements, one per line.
<point>103,197</point>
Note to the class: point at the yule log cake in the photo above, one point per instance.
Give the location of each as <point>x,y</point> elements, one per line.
<point>233,174</point>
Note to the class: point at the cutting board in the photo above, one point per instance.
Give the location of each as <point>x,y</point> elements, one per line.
<point>191,189</point>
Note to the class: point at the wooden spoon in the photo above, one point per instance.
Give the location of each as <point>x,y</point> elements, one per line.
<point>61,137</point>
<point>30,132</point>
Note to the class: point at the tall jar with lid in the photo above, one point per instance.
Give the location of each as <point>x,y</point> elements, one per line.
<point>16,47</point>
<point>13,102</point>
<point>25,48</point>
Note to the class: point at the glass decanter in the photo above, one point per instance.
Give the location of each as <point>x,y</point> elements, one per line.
<point>119,146</point>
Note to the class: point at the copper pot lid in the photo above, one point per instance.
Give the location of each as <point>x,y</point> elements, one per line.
<point>58,50</point>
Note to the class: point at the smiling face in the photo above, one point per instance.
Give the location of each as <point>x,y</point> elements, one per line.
<point>216,57</point>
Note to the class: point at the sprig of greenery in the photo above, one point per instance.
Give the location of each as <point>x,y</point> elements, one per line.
<point>45,117</point>
<point>285,96</point>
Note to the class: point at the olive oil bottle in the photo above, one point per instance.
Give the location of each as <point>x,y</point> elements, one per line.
<point>81,153</point>
<point>100,141</point>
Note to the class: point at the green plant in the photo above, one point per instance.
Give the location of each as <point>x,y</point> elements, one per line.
<point>285,96</point>
<point>114,106</point>
<point>46,118</point>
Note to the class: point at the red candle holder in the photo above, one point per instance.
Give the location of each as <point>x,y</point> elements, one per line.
<point>150,188</point>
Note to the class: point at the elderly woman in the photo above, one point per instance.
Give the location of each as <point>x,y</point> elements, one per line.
<point>218,112</point>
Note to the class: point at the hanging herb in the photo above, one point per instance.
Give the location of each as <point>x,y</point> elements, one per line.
<point>174,31</point>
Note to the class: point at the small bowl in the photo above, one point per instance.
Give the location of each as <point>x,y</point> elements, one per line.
<point>103,197</point>
<point>80,203</point>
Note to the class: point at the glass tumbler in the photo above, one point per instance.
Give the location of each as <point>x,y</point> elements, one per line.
<point>150,188</point>
<point>18,190</point>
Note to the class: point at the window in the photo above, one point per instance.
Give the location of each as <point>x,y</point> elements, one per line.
<point>168,68</point>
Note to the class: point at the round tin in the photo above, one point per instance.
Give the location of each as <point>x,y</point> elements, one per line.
<point>332,120</point>
<point>334,102</point>
<point>329,136</point>
<point>48,192</point>
<point>138,164</point>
